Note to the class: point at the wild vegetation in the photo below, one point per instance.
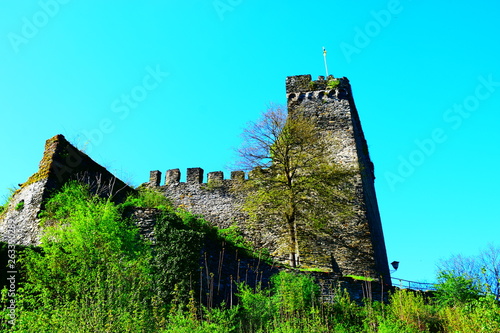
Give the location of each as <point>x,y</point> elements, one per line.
<point>93,273</point>
<point>6,200</point>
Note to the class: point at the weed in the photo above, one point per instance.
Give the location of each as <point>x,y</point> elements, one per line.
<point>20,205</point>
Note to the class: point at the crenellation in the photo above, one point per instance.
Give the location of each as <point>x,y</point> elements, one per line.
<point>172,176</point>
<point>154,178</point>
<point>298,83</point>
<point>194,175</point>
<point>238,175</point>
<point>302,87</point>
<point>215,176</point>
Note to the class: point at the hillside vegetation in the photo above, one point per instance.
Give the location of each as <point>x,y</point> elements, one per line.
<point>94,273</point>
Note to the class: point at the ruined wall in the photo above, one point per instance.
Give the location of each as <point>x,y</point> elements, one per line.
<point>60,163</point>
<point>217,199</point>
<point>357,245</point>
<point>213,199</point>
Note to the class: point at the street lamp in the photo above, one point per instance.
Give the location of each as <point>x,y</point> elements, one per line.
<point>395,265</point>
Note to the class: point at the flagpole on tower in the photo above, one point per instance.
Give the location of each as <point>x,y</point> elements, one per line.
<point>324,57</point>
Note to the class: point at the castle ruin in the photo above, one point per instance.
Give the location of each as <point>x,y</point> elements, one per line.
<point>353,247</point>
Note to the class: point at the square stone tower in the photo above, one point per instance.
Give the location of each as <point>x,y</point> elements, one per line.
<point>355,246</point>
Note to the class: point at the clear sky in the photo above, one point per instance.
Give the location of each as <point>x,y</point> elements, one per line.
<point>147,85</point>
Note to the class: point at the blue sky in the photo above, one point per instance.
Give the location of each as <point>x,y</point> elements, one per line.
<point>160,84</point>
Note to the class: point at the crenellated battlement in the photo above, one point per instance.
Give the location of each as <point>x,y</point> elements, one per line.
<point>302,87</point>
<point>193,176</point>
<point>211,196</point>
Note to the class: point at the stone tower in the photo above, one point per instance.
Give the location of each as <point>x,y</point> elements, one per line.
<point>356,246</point>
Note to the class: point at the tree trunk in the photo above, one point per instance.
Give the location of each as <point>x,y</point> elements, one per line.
<point>293,241</point>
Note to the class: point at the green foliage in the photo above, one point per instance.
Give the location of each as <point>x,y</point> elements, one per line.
<point>147,198</point>
<point>295,292</point>
<point>361,278</point>
<point>196,222</point>
<point>481,315</point>
<point>312,269</point>
<point>483,268</point>
<point>217,320</point>
<point>20,205</point>
<point>176,256</point>
<point>343,311</point>
<point>456,289</point>
<point>6,200</point>
<point>92,273</point>
<point>258,307</point>
<point>292,296</point>
<point>408,312</point>
<point>332,84</point>
<point>233,236</point>
<point>292,179</point>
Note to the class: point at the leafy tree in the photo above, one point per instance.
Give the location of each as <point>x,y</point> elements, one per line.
<point>483,269</point>
<point>292,184</point>
<point>456,289</point>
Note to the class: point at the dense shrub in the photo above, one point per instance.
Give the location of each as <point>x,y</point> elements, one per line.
<point>176,257</point>
<point>92,270</point>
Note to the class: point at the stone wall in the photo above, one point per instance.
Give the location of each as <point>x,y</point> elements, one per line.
<point>223,267</point>
<point>217,200</point>
<point>60,163</point>
<point>145,219</point>
<point>214,199</point>
<point>19,224</point>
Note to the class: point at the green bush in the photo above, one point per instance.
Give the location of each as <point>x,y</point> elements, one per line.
<point>147,198</point>
<point>233,236</point>
<point>481,315</point>
<point>176,257</point>
<point>408,312</point>
<point>258,307</point>
<point>456,289</point>
<point>92,273</point>
<point>332,84</point>
<point>296,293</point>
<point>20,205</point>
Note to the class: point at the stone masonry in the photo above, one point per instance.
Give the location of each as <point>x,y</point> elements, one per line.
<point>216,200</point>
<point>346,247</point>
<point>61,162</point>
<point>355,246</point>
